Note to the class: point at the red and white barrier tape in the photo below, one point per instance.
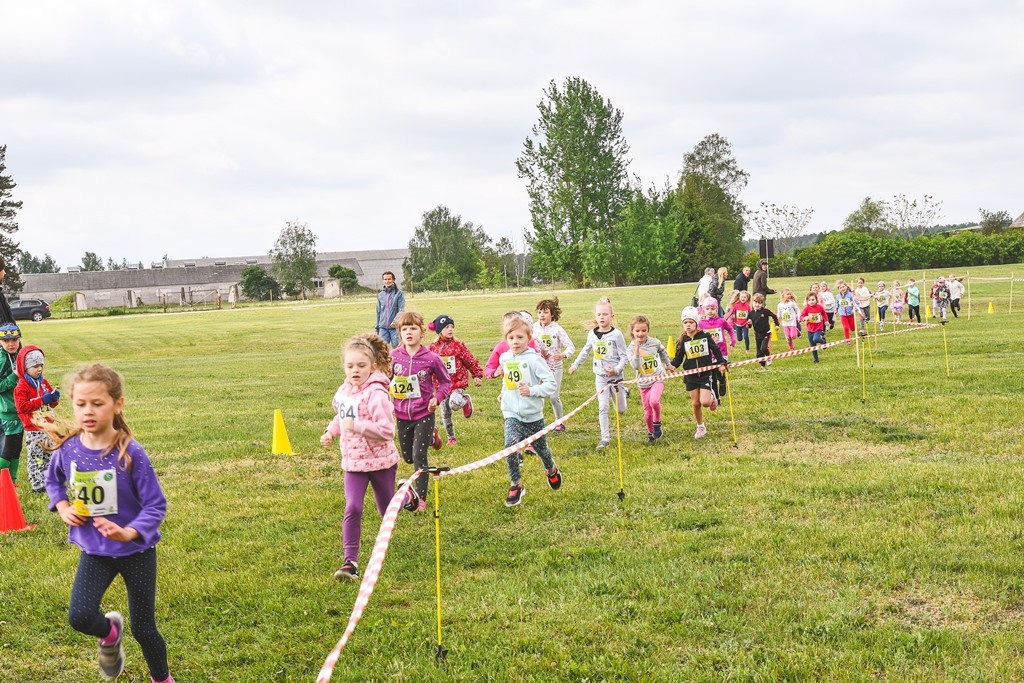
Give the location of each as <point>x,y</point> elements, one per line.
<point>387,525</point>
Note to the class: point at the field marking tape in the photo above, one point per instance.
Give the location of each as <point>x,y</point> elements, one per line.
<point>387,525</point>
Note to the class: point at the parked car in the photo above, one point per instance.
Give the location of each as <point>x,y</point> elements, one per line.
<point>30,309</point>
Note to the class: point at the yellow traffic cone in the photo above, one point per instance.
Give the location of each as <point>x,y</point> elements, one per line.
<point>927,311</point>
<point>775,330</point>
<point>671,347</point>
<point>280,444</point>
<point>991,308</point>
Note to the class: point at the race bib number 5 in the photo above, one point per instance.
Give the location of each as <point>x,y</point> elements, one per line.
<point>516,373</point>
<point>696,348</point>
<point>405,386</point>
<point>94,493</point>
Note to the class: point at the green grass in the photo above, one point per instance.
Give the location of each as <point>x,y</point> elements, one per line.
<point>840,539</point>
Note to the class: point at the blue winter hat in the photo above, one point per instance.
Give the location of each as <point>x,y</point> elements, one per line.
<point>10,331</point>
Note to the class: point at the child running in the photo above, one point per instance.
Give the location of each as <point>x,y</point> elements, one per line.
<point>789,314</point>
<point>941,292</point>
<point>555,339</point>
<point>13,429</point>
<point>493,368</point>
<point>862,303</point>
<point>365,422</point>
<point>913,301</point>
<point>898,300</point>
<point>882,299</point>
<point>102,483</point>
<point>760,317</point>
<point>845,306</point>
<point>738,314</point>
<point>813,314</point>
<point>528,379</point>
<point>696,349</point>
<point>419,385</point>
<point>717,327</point>
<point>609,347</point>
<point>35,400</point>
<point>649,358</point>
<point>828,301</point>
<point>460,363</point>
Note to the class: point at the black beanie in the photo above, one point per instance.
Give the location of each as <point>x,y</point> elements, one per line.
<point>440,322</point>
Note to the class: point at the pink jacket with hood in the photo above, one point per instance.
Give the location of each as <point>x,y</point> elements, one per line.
<point>371,444</point>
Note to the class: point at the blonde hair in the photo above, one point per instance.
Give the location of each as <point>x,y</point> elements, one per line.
<point>374,347</point>
<point>409,319</point>
<point>787,294</point>
<point>723,273</point>
<point>516,323</point>
<point>639,320</point>
<point>842,283</point>
<point>60,431</point>
<point>758,298</point>
<point>735,296</point>
<point>603,301</point>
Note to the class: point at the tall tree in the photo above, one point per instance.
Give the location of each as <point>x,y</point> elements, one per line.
<point>8,223</point>
<point>910,217</point>
<point>443,240</point>
<point>784,224</point>
<point>294,258</point>
<point>27,263</point>
<point>91,262</point>
<point>711,182</point>
<point>575,166</point>
<point>994,221</point>
<point>871,217</point>
<point>713,159</point>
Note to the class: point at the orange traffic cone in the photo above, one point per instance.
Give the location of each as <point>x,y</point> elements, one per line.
<point>11,517</point>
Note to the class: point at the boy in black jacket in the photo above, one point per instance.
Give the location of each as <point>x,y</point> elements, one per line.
<point>759,317</point>
<point>696,349</point>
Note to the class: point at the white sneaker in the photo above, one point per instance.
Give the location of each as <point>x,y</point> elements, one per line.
<point>701,431</point>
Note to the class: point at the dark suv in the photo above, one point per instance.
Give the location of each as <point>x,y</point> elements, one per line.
<point>30,309</point>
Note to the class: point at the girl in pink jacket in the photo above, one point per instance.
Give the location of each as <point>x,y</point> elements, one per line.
<point>365,425</point>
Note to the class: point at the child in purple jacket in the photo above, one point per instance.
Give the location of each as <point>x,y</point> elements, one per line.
<point>419,385</point>
<point>717,328</point>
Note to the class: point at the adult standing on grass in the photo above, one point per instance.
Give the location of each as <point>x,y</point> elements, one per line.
<point>719,288</point>
<point>759,283</point>
<point>742,280</point>
<point>704,285</point>
<point>390,302</point>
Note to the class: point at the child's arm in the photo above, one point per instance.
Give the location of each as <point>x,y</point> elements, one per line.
<point>717,353</point>
<point>470,362</point>
<point>633,355</point>
<point>568,348</point>
<point>490,370</point>
<point>620,346</point>
<point>680,357</point>
<point>663,354</point>
<point>582,356</point>
<point>542,372</point>
<point>732,331</point>
<point>151,500</point>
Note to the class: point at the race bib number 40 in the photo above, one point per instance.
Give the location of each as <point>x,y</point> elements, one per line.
<point>696,348</point>
<point>405,386</point>
<point>516,373</point>
<point>94,493</point>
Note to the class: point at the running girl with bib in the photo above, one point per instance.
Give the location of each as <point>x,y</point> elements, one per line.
<point>649,358</point>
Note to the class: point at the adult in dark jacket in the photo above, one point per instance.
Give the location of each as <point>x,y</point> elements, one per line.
<point>390,302</point>
<point>759,283</point>
<point>742,280</point>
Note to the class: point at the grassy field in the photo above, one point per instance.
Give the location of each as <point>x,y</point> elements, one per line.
<point>839,539</point>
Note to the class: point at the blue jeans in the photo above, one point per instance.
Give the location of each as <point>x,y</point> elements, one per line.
<point>516,431</point>
<point>743,334</point>
<point>388,334</point>
<point>815,338</point>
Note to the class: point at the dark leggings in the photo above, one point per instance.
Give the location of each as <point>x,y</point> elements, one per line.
<point>414,439</point>
<point>762,345</point>
<point>915,311</point>
<point>94,576</point>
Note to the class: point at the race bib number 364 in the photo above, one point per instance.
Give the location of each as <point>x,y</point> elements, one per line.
<point>94,493</point>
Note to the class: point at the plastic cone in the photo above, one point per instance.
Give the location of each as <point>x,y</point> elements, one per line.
<point>280,444</point>
<point>671,349</point>
<point>775,330</point>
<point>927,311</point>
<point>991,308</point>
<point>11,517</point>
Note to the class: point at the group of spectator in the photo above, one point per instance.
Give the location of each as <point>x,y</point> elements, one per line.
<point>713,283</point>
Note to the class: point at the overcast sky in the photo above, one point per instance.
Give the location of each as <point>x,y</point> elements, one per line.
<point>136,129</point>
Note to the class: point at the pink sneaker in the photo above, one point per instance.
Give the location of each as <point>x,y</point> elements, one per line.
<point>467,410</point>
<point>451,441</point>
<point>423,505</point>
<point>435,441</point>
<point>714,402</point>
<point>701,431</point>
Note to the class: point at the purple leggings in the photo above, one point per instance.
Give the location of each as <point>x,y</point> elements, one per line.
<point>383,483</point>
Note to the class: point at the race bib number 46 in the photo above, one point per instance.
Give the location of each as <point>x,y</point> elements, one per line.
<point>405,386</point>
<point>94,493</point>
<point>696,348</point>
<point>516,373</point>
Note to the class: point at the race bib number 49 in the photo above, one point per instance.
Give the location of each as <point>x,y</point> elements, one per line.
<point>405,386</point>
<point>94,493</point>
<point>516,373</point>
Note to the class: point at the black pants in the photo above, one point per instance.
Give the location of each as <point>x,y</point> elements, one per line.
<point>94,576</point>
<point>914,311</point>
<point>762,345</point>
<point>954,306</point>
<point>414,438</point>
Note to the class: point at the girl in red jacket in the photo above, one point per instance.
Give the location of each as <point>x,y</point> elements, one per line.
<point>814,317</point>
<point>365,423</point>
<point>35,400</point>
<point>461,363</point>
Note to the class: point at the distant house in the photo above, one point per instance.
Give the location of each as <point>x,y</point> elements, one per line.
<point>195,281</point>
<point>1019,223</point>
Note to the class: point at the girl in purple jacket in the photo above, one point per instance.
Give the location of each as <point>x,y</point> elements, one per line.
<point>419,384</point>
<point>102,483</point>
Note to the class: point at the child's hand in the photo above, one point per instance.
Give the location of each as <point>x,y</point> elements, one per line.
<point>348,424</point>
<point>477,381</point>
<point>572,369</point>
<point>113,531</point>
<point>326,439</point>
<point>560,356</point>
<point>432,406</point>
<point>67,513</point>
<point>523,389</point>
<point>610,372</point>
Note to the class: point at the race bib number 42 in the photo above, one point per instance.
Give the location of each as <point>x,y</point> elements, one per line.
<point>601,349</point>
<point>94,493</point>
<point>405,386</point>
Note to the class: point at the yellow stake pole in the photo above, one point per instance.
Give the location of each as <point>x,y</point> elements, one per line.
<point>968,295</point>
<point>871,355</point>
<point>864,377</point>
<point>1011,294</point>
<point>618,436</point>
<point>856,339</point>
<point>945,346</point>
<point>441,653</point>
<point>732,415</point>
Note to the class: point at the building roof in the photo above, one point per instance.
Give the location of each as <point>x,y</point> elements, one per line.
<point>266,260</point>
<point>1019,223</point>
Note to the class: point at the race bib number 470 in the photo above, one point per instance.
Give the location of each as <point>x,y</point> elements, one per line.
<point>94,493</point>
